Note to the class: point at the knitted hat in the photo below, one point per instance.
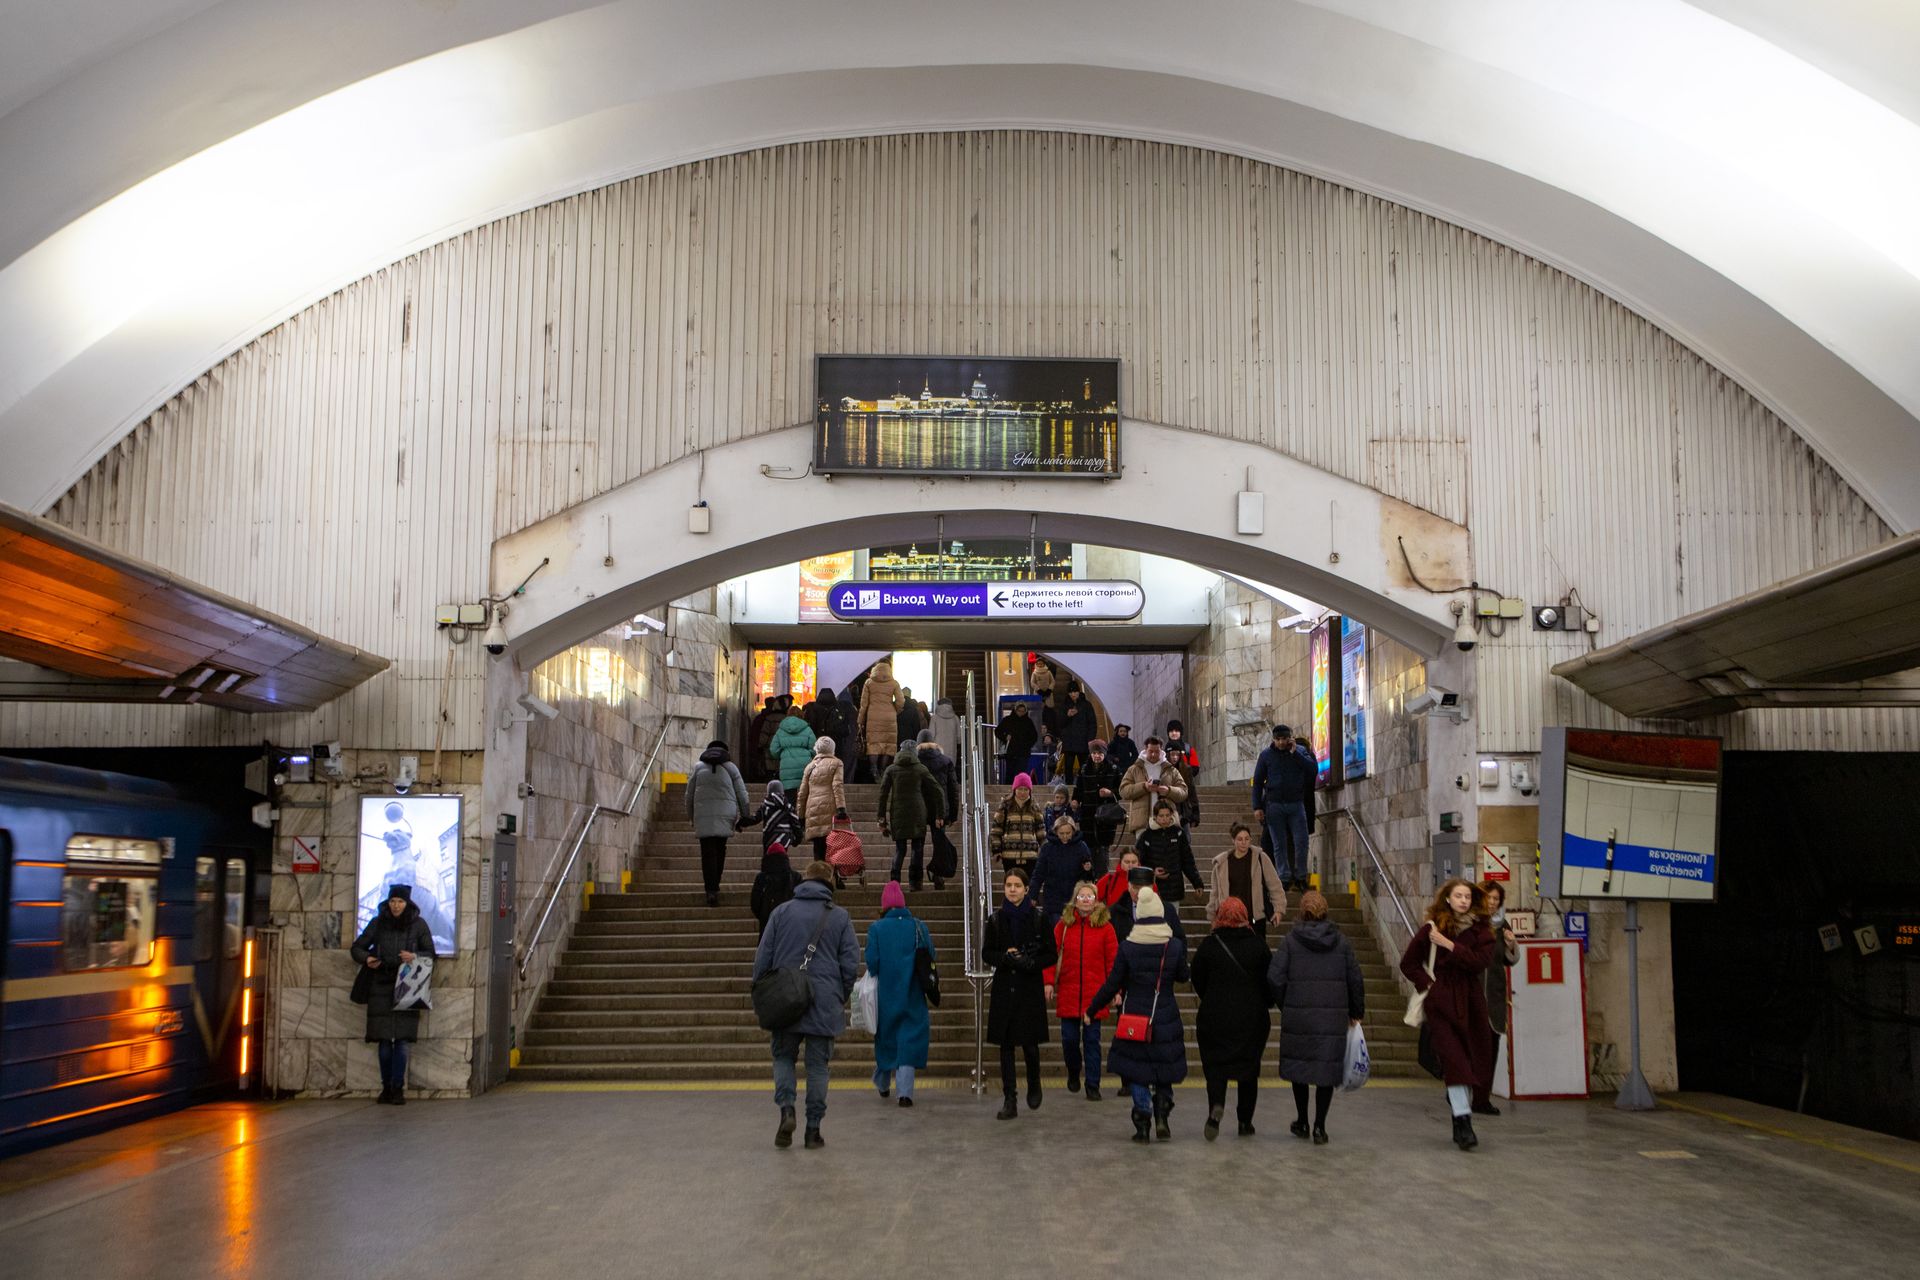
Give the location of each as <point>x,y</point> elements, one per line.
<point>1232,914</point>
<point>892,896</point>
<point>1174,726</point>
<point>823,746</point>
<point>400,891</point>
<point>926,735</point>
<point>778,847</point>
<point>1022,780</point>
<point>1147,907</point>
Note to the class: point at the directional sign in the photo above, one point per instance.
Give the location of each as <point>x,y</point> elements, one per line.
<point>1076,601</point>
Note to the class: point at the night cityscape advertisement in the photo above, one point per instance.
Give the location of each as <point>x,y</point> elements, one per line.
<point>979,416</point>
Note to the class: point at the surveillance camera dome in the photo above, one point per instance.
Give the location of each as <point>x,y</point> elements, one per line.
<point>496,638</point>
<point>1464,636</point>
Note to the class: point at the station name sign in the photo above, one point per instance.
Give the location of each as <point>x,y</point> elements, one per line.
<point>1113,601</point>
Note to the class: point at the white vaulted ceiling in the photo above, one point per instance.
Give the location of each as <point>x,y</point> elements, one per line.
<point>181,176</point>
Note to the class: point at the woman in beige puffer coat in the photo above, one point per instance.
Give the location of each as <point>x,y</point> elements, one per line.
<point>880,718</point>
<point>822,796</point>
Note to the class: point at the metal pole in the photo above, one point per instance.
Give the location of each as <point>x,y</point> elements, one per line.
<point>1634,1093</point>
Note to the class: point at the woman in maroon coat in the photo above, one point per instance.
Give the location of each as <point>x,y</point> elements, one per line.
<point>1460,947</point>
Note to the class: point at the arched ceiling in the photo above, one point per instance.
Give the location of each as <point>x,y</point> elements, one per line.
<point>182,175</point>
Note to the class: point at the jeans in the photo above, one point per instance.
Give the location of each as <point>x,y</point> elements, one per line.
<point>786,1048</point>
<point>393,1064</point>
<point>1286,840</point>
<point>900,844</point>
<point>1080,1043</point>
<point>1007,1085</point>
<point>884,1080</point>
<point>1247,1097</point>
<point>1146,1095</point>
<point>713,861</point>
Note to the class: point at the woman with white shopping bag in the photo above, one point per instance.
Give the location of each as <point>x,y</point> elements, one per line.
<point>1315,980</point>
<point>1446,962</point>
<point>902,1026</point>
<point>396,936</point>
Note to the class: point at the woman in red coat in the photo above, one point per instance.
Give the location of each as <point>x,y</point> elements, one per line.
<point>1457,946</point>
<point>1086,945</point>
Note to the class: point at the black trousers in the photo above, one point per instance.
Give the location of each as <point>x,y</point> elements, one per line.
<point>900,844</point>
<point>819,848</point>
<point>1249,1094</point>
<point>713,861</point>
<point>1071,763</point>
<point>1322,1099</point>
<point>1007,1083</point>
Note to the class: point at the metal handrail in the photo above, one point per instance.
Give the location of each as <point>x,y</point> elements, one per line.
<point>976,877</point>
<point>1380,867</point>
<point>527,949</point>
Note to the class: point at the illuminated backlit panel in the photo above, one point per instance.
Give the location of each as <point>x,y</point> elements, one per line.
<point>1321,655</point>
<point>1629,815</point>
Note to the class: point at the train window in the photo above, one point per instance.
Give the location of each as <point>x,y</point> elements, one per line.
<point>236,905</point>
<point>108,902</point>
<point>206,907</point>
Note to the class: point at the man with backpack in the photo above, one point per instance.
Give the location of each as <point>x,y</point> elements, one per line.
<point>810,936</point>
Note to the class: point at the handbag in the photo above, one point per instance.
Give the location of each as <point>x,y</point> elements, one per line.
<point>945,863</point>
<point>1111,813</point>
<point>1138,1027</point>
<point>362,985</point>
<point>781,997</point>
<point>1416,1015</point>
<point>925,971</point>
<point>1429,1056</point>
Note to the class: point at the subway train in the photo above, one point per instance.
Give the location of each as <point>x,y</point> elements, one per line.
<point>124,910</point>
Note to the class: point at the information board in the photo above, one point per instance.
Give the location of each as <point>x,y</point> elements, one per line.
<point>1629,815</point>
<point>993,601</point>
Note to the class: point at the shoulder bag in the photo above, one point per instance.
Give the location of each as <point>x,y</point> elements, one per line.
<point>1138,1027</point>
<point>1417,1006</point>
<point>781,997</point>
<point>925,971</point>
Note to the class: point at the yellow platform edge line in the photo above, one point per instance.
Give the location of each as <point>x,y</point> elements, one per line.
<point>1825,1144</point>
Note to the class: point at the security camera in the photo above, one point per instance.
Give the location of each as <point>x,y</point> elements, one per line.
<point>496,637</point>
<point>1436,700</point>
<point>407,775</point>
<point>545,710</point>
<point>1464,636</point>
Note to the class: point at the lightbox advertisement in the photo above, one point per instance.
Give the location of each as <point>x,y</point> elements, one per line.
<point>413,840</point>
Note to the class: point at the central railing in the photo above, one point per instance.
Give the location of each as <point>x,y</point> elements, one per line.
<point>976,871</point>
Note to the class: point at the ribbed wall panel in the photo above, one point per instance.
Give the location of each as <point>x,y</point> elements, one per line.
<point>351,467</point>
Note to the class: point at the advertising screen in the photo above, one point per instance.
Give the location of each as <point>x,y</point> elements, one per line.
<point>413,840</point>
<point>1321,737</point>
<point>1629,815</point>
<point>930,415</point>
<point>1353,699</point>
<point>816,575</point>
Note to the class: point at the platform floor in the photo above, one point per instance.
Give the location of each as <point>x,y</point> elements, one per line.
<point>552,1181</point>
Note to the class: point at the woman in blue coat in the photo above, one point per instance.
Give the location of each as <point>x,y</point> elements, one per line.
<point>900,1043</point>
<point>1151,960</point>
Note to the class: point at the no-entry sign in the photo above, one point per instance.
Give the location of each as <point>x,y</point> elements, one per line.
<point>1101,601</point>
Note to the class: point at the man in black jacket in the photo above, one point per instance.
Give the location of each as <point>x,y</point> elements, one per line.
<point>1076,730</point>
<point>1017,732</point>
<point>1098,784</point>
<point>1122,751</point>
<point>1283,795</point>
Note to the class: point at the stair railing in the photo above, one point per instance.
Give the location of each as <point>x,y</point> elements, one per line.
<point>976,873</point>
<point>551,887</point>
<point>1380,869</point>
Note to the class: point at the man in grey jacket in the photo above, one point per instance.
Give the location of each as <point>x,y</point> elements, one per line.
<point>832,971</point>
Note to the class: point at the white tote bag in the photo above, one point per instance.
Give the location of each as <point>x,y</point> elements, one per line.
<point>411,985</point>
<point>1417,1006</point>
<point>866,1003</point>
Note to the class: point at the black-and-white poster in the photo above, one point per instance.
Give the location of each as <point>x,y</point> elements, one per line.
<point>412,840</point>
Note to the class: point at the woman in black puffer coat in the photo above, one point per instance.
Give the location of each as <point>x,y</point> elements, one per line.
<point>396,935</point>
<point>1315,981</point>
<point>1151,961</point>
<point>1230,976</point>
<point>1018,943</point>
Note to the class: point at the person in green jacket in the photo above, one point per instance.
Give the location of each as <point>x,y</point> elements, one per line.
<point>791,749</point>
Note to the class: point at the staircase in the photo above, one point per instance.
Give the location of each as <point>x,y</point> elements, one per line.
<point>653,984</point>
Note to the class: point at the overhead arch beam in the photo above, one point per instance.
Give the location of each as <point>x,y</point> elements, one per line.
<point>1573,139</point>
<point>629,548</point>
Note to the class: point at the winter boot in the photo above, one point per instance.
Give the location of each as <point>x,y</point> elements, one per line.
<point>1319,1135</point>
<point>814,1141</point>
<point>1463,1136</point>
<point>783,1136</point>
<point>1033,1097</point>
<point>1246,1128</point>
<point>1010,1108</point>
<point>1093,1093</point>
<point>1212,1127</point>
<point>1162,1109</point>
<point>1485,1109</point>
<point>1073,1082</point>
<point>1142,1122</point>
<point>1299,1129</point>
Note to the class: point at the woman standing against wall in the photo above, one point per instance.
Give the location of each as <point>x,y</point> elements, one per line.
<point>395,936</point>
<point>1446,961</point>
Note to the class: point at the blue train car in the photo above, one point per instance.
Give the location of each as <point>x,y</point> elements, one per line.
<point>123,910</point>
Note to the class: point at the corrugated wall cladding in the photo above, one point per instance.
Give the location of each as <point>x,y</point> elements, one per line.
<point>350,468</point>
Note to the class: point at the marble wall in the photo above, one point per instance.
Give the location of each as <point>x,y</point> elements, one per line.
<point>318,1033</point>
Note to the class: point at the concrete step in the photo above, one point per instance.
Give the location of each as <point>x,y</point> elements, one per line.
<point>760,1072</point>
<point>752,1048</point>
